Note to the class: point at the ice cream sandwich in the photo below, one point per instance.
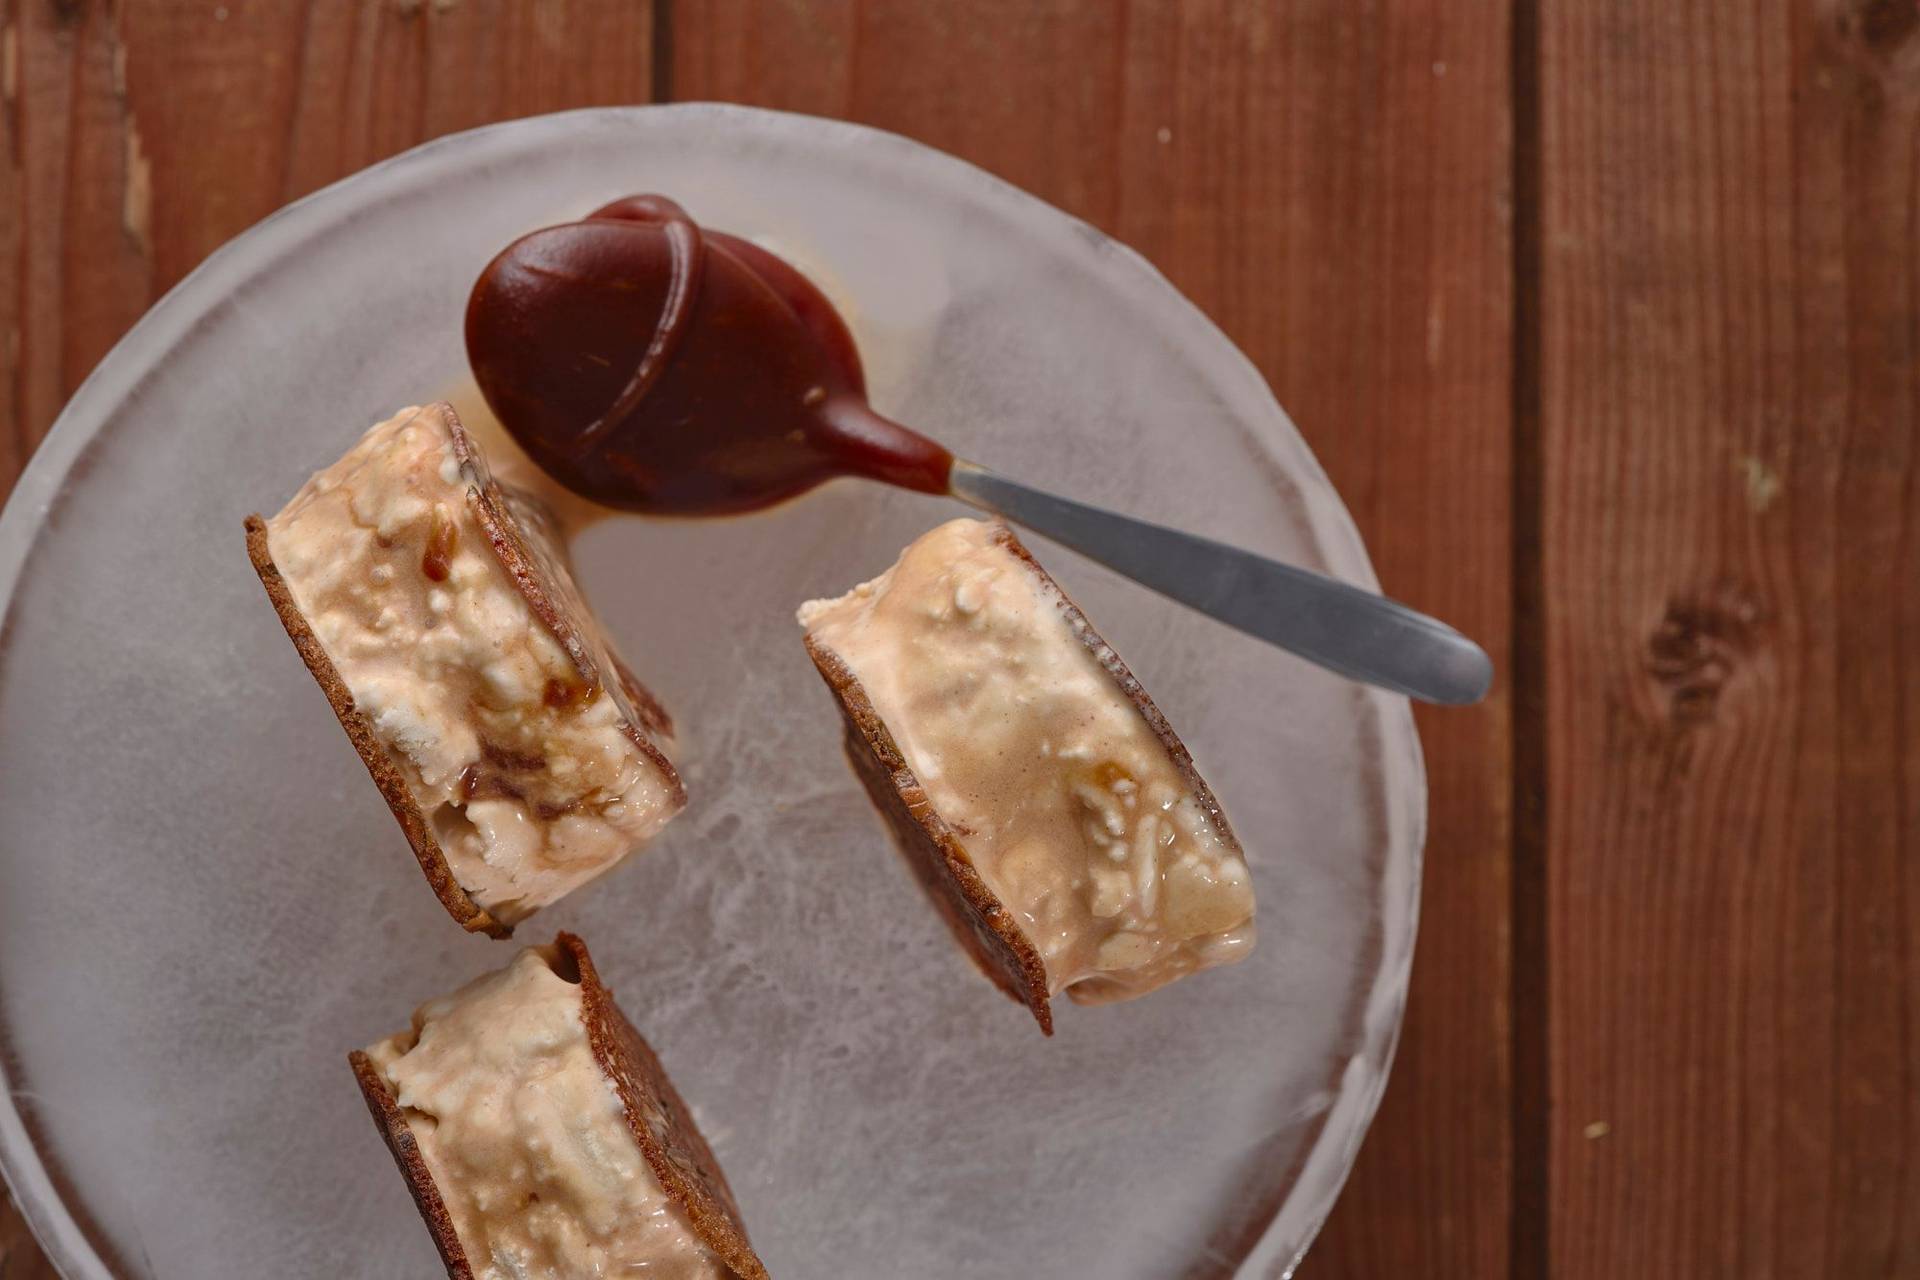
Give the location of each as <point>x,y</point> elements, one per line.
<point>1041,796</point>
<point>438,612</point>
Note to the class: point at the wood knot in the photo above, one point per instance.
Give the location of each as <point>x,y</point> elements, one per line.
<point>1883,26</point>
<point>1869,51</point>
<point>1703,642</point>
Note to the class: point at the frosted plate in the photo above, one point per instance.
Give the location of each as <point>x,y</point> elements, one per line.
<point>204,904</point>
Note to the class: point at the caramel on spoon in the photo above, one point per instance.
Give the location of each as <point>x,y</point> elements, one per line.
<point>652,365</point>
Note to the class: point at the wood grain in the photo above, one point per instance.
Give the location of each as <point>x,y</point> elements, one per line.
<point>1730,307</point>
<point>141,136</point>
<point>1329,181</point>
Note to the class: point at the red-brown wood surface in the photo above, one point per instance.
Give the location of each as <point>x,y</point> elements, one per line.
<point>1729,328</point>
<point>1603,316</point>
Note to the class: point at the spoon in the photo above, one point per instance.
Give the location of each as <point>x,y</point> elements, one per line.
<point>656,366</point>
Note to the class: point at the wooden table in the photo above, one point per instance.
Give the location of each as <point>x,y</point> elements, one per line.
<point>1604,316</point>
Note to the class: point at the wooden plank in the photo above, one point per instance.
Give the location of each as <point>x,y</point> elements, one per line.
<point>1328,180</point>
<point>141,136</point>
<point>1731,328</point>
<point>136,138</point>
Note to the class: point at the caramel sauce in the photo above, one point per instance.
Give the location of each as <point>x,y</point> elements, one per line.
<point>569,695</point>
<point>442,535</point>
<point>652,365</point>
<point>508,760</point>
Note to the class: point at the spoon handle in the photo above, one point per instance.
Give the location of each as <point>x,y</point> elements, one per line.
<point>1355,633</point>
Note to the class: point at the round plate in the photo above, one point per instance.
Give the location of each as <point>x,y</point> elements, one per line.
<point>204,903</point>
